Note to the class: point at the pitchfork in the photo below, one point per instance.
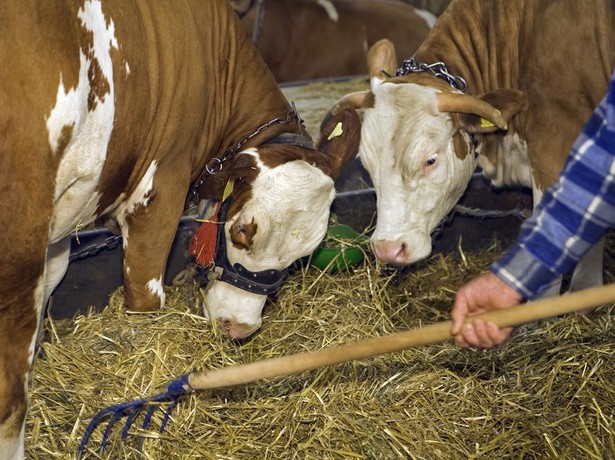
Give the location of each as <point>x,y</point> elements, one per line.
<point>276,367</point>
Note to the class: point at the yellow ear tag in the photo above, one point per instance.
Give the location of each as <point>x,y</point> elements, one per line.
<point>484,123</point>
<point>337,131</point>
<point>228,189</point>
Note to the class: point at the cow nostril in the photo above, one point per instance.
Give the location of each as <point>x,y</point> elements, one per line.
<point>225,326</point>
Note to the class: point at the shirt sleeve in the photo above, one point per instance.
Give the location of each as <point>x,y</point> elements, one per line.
<point>573,214</point>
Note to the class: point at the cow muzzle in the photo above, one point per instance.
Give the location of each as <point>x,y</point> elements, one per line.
<point>402,251</point>
<point>235,295</point>
<point>236,313</point>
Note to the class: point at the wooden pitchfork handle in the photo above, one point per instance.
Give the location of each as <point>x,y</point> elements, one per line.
<point>299,362</point>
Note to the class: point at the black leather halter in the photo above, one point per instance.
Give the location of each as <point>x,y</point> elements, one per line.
<point>264,282</point>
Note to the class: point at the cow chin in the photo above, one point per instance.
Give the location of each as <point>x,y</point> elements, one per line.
<point>236,312</point>
<point>401,251</point>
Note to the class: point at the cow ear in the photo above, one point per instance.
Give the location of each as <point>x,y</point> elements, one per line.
<point>339,139</point>
<point>504,104</point>
<point>242,234</point>
<point>381,62</point>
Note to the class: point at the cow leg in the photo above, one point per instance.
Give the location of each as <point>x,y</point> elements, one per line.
<point>22,286</point>
<point>148,234</point>
<point>55,269</point>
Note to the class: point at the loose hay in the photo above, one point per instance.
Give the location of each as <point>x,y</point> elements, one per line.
<point>546,393</point>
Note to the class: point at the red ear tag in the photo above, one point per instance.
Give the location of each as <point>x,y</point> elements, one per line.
<point>204,242</point>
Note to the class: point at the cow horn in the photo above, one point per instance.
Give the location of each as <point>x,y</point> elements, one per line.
<point>464,103</point>
<point>356,100</point>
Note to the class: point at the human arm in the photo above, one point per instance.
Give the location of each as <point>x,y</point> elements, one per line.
<point>572,215</point>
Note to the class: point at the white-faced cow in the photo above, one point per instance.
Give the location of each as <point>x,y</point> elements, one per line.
<point>503,84</point>
<point>307,39</point>
<point>115,108</point>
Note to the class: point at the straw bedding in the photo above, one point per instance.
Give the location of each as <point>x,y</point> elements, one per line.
<point>546,393</point>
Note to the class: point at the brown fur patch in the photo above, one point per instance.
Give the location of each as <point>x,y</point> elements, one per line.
<point>462,149</point>
<point>99,85</point>
<point>294,33</point>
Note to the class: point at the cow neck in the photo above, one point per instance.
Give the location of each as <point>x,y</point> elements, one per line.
<point>264,134</point>
<point>464,37</point>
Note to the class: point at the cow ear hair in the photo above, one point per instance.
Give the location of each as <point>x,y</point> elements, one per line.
<point>339,139</point>
<point>508,103</point>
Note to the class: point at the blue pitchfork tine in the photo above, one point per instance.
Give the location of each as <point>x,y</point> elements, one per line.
<point>299,362</point>
<point>175,390</point>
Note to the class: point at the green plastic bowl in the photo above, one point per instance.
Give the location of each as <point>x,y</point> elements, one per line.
<point>340,249</point>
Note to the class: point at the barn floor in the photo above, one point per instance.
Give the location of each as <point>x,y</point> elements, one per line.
<point>546,393</point>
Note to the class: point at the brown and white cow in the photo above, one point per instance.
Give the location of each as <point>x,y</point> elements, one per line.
<point>534,71</point>
<point>113,109</point>
<point>308,39</point>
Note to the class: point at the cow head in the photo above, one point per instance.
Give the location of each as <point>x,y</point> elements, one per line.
<point>278,213</point>
<point>419,143</point>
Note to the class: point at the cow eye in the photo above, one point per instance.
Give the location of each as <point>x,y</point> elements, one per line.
<point>431,160</point>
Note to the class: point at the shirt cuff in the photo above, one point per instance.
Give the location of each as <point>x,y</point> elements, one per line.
<point>523,272</point>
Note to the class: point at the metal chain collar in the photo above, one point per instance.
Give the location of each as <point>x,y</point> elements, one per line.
<point>215,164</point>
<point>437,69</point>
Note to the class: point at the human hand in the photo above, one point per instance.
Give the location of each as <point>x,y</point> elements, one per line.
<point>482,294</point>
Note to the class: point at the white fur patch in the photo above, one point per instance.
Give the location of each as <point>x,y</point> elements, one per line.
<point>140,197</point>
<point>85,154</point>
<point>512,166</point>
<point>329,7</point>
<point>290,204</point>
<point>12,448</point>
<point>429,18</point>
<point>156,288</point>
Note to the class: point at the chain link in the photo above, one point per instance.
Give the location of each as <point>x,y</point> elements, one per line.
<point>437,69</point>
<point>110,243</point>
<point>215,164</point>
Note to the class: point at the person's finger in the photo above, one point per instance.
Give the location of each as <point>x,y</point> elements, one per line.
<point>460,341</point>
<point>481,332</point>
<point>468,331</point>
<point>458,314</point>
<point>497,335</point>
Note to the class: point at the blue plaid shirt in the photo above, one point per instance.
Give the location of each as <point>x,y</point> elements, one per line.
<point>573,214</point>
